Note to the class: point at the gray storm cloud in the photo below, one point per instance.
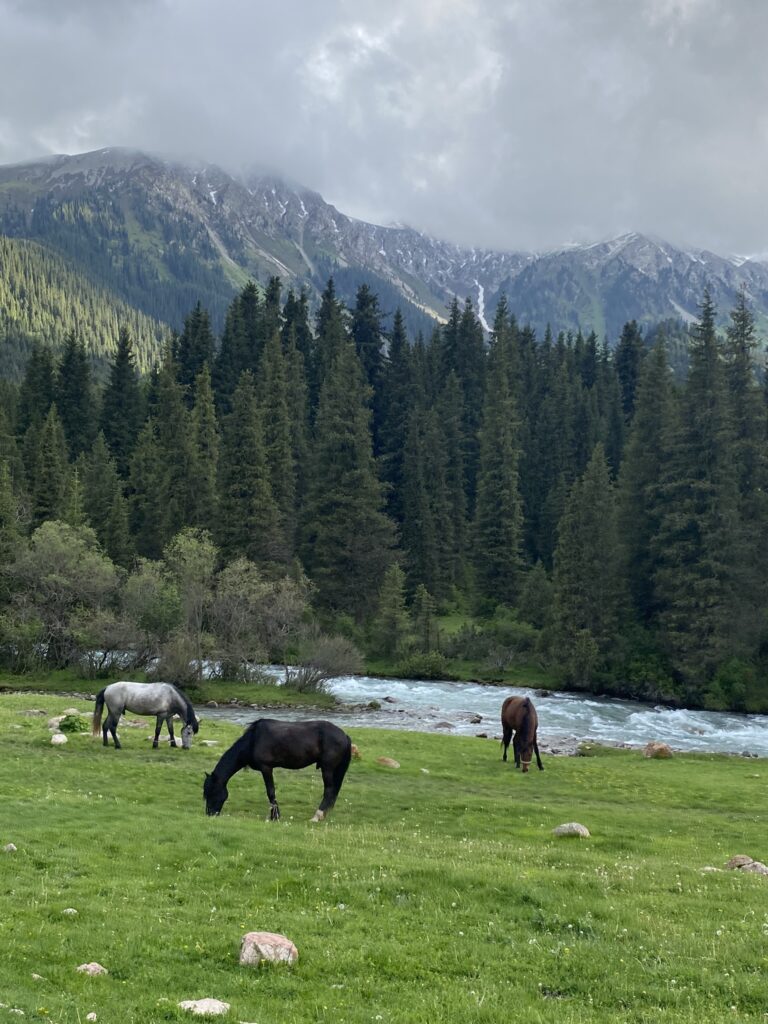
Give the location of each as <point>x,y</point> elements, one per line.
<point>496,124</point>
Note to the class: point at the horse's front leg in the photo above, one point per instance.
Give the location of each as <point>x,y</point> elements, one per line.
<point>158,727</point>
<point>169,720</point>
<point>269,783</point>
<point>516,750</point>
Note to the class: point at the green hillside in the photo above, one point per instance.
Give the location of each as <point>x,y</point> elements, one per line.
<point>42,297</point>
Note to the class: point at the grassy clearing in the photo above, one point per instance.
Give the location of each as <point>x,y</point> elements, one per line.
<point>435,892</point>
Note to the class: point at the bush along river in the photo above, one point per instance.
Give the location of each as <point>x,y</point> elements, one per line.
<point>565,719</point>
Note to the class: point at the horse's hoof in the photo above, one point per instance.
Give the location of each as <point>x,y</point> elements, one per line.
<point>318,816</point>
<point>274,814</point>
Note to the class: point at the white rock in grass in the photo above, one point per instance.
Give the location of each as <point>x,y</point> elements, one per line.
<point>205,1007</point>
<point>58,739</point>
<point>571,828</point>
<point>92,968</point>
<point>388,762</point>
<point>10,848</point>
<point>91,1016</point>
<point>69,911</point>
<point>259,946</point>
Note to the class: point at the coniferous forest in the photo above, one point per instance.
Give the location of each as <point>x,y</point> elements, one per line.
<point>583,508</point>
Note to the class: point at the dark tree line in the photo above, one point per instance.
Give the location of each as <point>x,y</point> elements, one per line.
<point>616,511</point>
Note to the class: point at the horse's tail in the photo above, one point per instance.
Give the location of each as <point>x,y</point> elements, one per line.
<point>525,721</point>
<point>97,712</point>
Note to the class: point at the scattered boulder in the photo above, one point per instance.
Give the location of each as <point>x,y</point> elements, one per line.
<point>257,947</point>
<point>657,749</point>
<point>443,725</point>
<point>9,848</point>
<point>59,739</point>
<point>92,968</point>
<point>356,755</point>
<point>91,1016</point>
<point>55,722</point>
<point>571,828</point>
<point>205,1007</point>
<point>475,719</point>
<point>743,863</point>
<point>208,743</point>
<point>482,735</point>
<point>69,911</point>
<point>33,711</point>
<point>388,762</point>
<point>390,700</point>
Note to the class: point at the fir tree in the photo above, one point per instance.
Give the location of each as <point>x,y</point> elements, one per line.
<point>205,443</point>
<point>498,516</point>
<point>50,470</point>
<point>272,395</point>
<point>368,335</point>
<point>73,394</point>
<point>122,407</point>
<point>36,393</point>
<point>193,350</point>
<point>347,537</point>
<point>588,588</point>
<point>398,396</point>
<point>248,515</point>
<point>392,624</point>
<point>145,494</point>
<point>628,359</point>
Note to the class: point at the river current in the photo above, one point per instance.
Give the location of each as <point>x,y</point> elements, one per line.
<point>466,709</point>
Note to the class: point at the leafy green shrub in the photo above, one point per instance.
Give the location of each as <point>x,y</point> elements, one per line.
<point>75,723</point>
<point>427,665</point>
<point>732,688</point>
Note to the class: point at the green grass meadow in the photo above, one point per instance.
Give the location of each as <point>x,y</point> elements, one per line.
<point>434,892</point>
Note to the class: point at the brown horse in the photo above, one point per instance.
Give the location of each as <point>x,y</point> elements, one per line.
<point>518,715</point>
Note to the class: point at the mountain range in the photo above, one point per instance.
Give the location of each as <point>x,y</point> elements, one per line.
<point>160,235</point>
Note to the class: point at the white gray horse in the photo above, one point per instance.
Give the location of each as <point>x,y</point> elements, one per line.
<point>161,699</point>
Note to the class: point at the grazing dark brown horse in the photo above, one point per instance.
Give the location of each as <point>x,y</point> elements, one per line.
<point>518,715</point>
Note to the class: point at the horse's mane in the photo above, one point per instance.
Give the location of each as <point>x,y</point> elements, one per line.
<point>191,716</point>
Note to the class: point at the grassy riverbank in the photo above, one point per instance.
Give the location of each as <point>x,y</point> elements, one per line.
<point>67,681</point>
<point>435,892</point>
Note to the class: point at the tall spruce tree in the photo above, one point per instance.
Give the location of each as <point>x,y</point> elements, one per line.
<point>498,514</point>
<point>348,539</point>
<point>694,547</point>
<point>273,397</point>
<point>398,396</point>
<point>122,406</point>
<point>49,472</point>
<point>588,592</point>
<point>368,335</point>
<point>74,397</point>
<point>205,443</point>
<point>248,514</point>
<point>36,394</point>
<point>194,350</point>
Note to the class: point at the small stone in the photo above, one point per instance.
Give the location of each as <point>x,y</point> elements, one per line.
<point>481,735</point>
<point>256,947</point>
<point>475,719</point>
<point>10,848</point>
<point>211,704</point>
<point>37,977</point>
<point>58,739</point>
<point>356,755</point>
<point>756,867</point>
<point>657,750</point>
<point>443,725</point>
<point>209,743</point>
<point>709,867</point>
<point>388,762</point>
<point>91,1016</point>
<point>571,828</point>
<point>425,771</point>
<point>205,1007</point>
<point>92,968</point>
<point>739,861</point>
<point>69,911</point>
<point>34,711</point>
<point>55,722</point>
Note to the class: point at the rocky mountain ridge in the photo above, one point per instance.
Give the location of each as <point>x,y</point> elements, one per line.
<point>163,234</point>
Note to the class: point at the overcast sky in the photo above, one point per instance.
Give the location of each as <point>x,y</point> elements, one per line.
<point>512,124</point>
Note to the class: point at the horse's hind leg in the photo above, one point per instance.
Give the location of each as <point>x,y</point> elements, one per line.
<point>516,750</point>
<point>158,727</point>
<point>507,736</point>
<point>269,784</point>
<point>331,786</point>
<point>110,726</point>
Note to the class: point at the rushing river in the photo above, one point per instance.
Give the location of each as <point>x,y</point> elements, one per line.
<point>564,719</point>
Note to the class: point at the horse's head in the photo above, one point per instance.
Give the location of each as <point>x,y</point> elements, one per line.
<point>526,754</point>
<point>215,793</point>
<point>186,736</point>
